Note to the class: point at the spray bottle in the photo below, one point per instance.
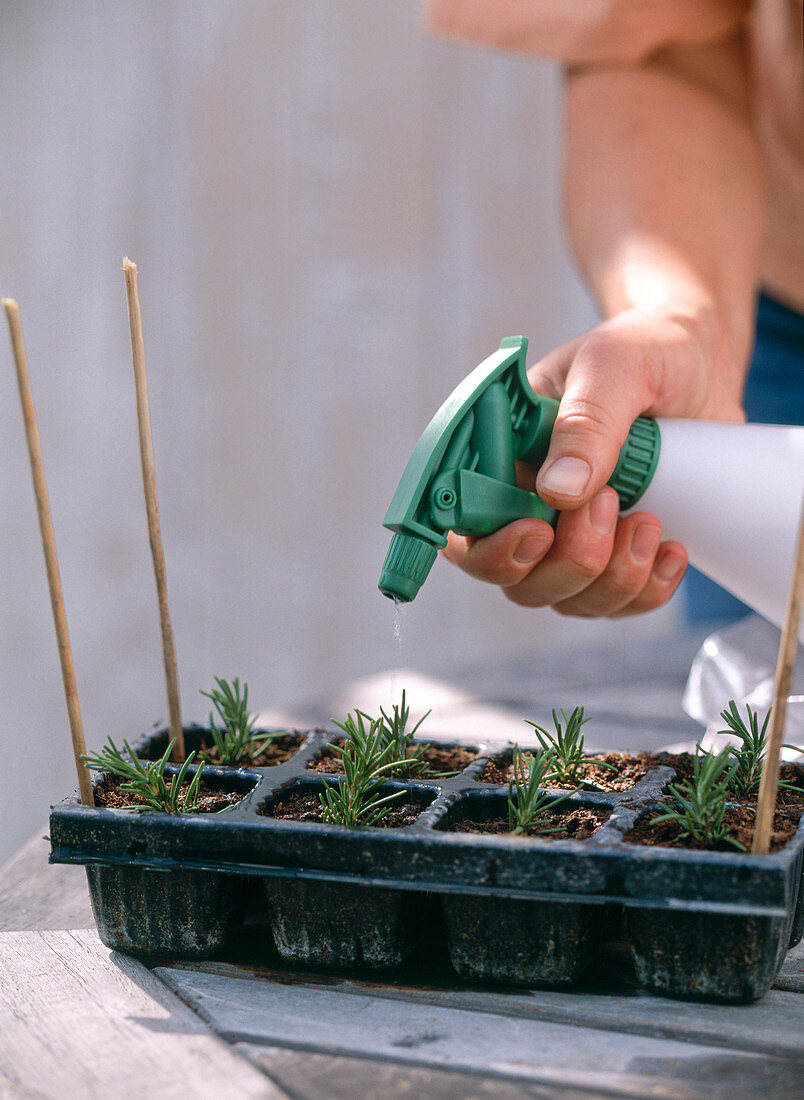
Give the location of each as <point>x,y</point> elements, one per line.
<point>730,493</point>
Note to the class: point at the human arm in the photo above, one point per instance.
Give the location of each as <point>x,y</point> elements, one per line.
<point>665,203</point>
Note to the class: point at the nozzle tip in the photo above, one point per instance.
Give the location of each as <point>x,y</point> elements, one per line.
<point>407,563</point>
<point>398,589</point>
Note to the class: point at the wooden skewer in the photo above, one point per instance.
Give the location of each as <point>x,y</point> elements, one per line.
<point>785,665</point>
<point>49,547</point>
<point>152,507</point>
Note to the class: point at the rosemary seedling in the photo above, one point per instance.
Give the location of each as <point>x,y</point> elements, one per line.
<point>749,754</point>
<point>394,732</point>
<point>701,801</point>
<point>146,778</point>
<point>527,805</point>
<point>364,742</point>
<point>566,749</point>
<point>366,761</point>
<point>236,738</point>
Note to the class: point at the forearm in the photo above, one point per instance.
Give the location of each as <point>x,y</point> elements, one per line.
<point>664,192</point>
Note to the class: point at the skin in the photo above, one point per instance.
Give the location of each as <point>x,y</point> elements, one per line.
<point>665,202</point>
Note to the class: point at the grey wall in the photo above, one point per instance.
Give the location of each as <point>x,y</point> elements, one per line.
<point>334,219</point>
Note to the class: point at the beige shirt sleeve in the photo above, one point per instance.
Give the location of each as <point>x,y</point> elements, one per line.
<point>579,32</point>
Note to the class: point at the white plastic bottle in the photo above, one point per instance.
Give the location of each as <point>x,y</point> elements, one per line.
<point>732,494</point>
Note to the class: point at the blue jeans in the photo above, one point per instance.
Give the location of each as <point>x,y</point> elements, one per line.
<point>774,394</point>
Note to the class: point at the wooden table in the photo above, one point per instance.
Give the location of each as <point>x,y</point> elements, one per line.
<point>79,1021</point>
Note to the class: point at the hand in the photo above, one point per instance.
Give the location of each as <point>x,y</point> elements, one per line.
<point>596,564</point>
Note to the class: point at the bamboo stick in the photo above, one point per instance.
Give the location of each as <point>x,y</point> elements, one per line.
<point>152,507</point>
<point>49,547</point>
<point>785,666</point>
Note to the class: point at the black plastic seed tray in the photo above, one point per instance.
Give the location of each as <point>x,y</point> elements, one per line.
<point>526,910</point>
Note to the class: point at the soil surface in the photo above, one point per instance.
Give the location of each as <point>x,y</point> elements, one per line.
<point>438,759</point>
<point>210,801</point>
<point>790,799</point>
<point>792,774</point>
<point>629,770</point>
<point>739,818</point>
<point>276,752</point>
<point>578,824</point>
<point>306,806</point>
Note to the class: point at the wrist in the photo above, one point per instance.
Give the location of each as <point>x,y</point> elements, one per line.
<point>679,359</point>
<point>715,335</point>
<point>647,279</point>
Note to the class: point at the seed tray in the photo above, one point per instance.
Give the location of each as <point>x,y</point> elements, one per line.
<point>707,925</point>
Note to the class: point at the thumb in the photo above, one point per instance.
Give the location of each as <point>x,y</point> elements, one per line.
<point>594,417</point>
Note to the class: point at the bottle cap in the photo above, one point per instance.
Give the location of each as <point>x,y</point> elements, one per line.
<point>636,465</point>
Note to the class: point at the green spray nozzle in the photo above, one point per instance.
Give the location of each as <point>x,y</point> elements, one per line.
<point>462,475</point>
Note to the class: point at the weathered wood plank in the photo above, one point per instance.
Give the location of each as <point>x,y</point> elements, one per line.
<point>791,976</point>
<point>773,1026</point>
<point>78,1022</point>
<point>36,894</point>
<point>311,1076</point>
<point>333,1020</point>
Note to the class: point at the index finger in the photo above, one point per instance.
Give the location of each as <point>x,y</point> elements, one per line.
<point>505,557</point>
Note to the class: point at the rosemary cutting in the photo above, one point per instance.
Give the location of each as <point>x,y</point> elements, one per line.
<point>146,778</point>
<point>528,807</point>
<point>366,758</point>
<point>236,738</point>
<point>701,801</point>
<point>394,732</point>
<point>748,756</point>
<point>567,749</point>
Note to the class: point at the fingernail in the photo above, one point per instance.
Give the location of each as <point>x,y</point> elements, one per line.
<point>645,541</point>
<point>603,512</point>
<point>530,549</point>
<point>567,477</point>
<point>668,568</point>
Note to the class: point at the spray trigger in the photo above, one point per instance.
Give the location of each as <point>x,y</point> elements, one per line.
<point>461,475</point>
